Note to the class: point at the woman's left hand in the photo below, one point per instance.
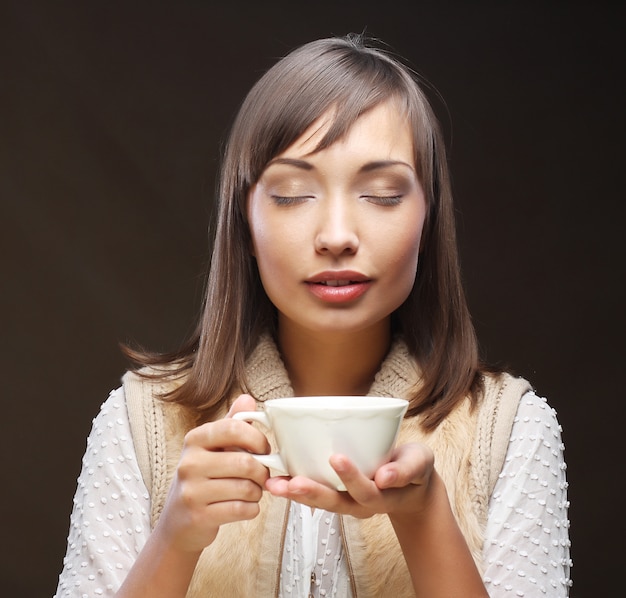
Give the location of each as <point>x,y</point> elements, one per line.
<point>410,491</point>
<point>399,488</point>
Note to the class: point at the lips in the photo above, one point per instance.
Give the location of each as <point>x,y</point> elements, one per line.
<point>337,283</point>
<point>338,287</point>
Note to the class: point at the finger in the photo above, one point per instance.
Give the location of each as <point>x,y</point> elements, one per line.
<point>243,402</point>
<point>238,464</point>
<point>198,463</point>
<point>360,487</point>
<point>230,511</point>
<point>319,496</point>
<point>228,433</point>
<point>410,464</point>
<point>228,489</point>
<point>307,492</point>
<point>278,486</point>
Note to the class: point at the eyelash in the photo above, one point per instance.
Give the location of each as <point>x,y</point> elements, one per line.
<point>384,200</point>
<point>281,200</point>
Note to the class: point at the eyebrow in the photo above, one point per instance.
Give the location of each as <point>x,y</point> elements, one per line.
<point>379,164</point>
<point>368,167</point>
<point>302,164</point>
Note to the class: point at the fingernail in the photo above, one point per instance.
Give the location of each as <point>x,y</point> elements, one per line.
<point>389,478</point>
<point>339,463</point>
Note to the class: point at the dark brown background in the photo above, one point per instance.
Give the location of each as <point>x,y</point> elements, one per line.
<point>111,118</point>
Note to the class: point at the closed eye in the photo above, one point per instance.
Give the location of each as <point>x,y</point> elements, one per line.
<point>287,200</point>
<point>383,200</point>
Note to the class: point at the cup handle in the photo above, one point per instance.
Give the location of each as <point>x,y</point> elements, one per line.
<point>272,461</point>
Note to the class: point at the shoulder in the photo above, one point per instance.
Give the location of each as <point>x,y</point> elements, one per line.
<point>111,445</point>
<point>498,404</point>
<point>502,386</point>
<point>153,381</point>
<point>112,414</point>
<point>146,393</point>
<point>536,450</point>
<point>536,421</point>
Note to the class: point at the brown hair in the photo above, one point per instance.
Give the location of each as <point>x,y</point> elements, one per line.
<point>350,77</point>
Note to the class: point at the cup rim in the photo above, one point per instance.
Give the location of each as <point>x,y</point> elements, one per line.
<point>325,402</point>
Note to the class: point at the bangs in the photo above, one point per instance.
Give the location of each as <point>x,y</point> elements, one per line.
<point>317,79</point>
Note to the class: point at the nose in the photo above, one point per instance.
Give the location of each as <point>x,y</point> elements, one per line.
<point>337,231</point>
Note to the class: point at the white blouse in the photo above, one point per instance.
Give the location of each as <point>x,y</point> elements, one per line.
<point>526,551</point>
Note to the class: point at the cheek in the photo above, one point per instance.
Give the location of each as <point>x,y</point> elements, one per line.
<point>403,244</point>
<point>271,234</point>
<point>262,249</point>
<point>267,264</point>
<point>402,260</point>
<point>274,252</point>
<point>407,263</point>
<point>272,246</point>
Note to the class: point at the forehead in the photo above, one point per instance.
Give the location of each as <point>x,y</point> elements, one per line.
<point>384,130</point>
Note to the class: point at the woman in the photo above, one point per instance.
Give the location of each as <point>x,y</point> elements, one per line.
<point>334,271</point>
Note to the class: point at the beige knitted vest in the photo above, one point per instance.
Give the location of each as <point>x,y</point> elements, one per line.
<point>245,559</point>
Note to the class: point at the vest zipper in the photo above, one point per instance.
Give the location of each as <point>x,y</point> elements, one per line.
<point>312,584</point>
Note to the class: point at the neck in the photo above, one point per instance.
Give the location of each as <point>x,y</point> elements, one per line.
<point>333,364</point>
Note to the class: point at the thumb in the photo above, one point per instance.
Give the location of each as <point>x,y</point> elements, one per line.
<point>242,403</point>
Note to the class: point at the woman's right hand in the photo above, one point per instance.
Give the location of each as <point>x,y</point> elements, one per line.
<point>216,481</point>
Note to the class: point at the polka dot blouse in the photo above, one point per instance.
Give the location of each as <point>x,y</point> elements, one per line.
<point>526,552</point>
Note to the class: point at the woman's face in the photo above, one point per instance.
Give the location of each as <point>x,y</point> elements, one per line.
<point>336,233</point>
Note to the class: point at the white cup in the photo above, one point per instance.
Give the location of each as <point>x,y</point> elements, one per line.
<point>309,430</point>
